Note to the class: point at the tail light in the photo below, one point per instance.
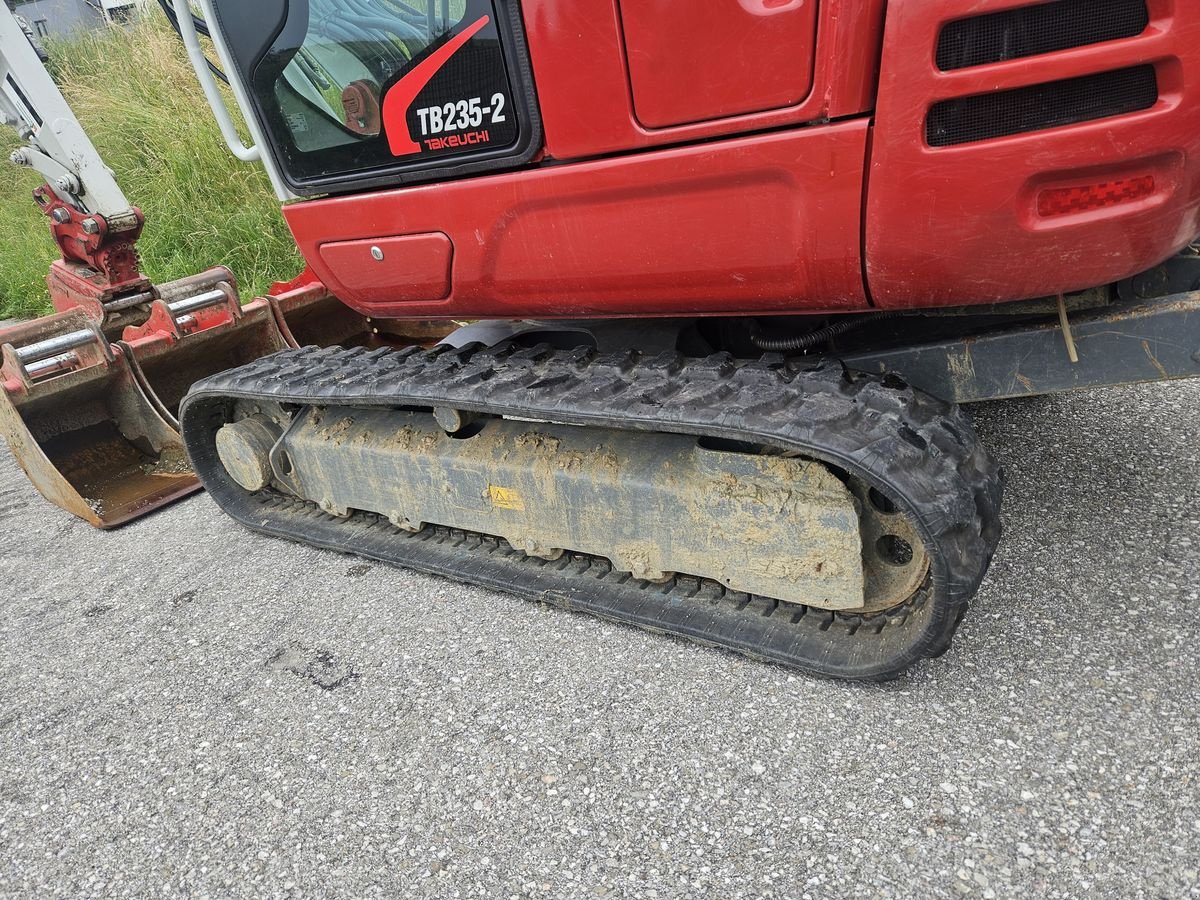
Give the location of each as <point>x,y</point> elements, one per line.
<point>1067,201</point>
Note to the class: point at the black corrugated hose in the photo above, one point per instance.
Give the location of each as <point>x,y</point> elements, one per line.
<point>201,29</point>
<point>814,338</point>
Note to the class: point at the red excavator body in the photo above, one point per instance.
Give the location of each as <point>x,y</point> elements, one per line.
<point>789,156</point>
<point>787,238</point>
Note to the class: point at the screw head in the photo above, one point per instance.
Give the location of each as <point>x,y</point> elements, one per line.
<point>61,216</point>
<point>377,253</point>
<point>91,226</point>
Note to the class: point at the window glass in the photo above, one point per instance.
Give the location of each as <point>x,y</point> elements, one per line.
<point>323,87</point>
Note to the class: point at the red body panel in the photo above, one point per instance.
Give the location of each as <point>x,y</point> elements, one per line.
<point>960,224</point>
<point>408,268</point>
<point>583,84</point>
<point>753,224</point>
<point>770,44</point>
<point>763,212</point>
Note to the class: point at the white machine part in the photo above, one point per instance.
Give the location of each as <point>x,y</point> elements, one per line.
<point>56,144</point>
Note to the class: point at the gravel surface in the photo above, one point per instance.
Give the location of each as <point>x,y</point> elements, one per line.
<point>188,709</point>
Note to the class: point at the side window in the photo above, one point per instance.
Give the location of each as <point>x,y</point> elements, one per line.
<point>331,91</point>
<point>350,86</point>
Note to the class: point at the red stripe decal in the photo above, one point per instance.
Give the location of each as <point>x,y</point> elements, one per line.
<point>405,91</point>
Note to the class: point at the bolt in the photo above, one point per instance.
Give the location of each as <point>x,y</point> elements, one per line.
<point>91,226</point>
<point>19,158</point>
<point>377,253</point>
<point>61,216</point>
<point>65,183</point>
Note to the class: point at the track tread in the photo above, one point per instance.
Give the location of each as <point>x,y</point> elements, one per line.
<point>915,447</point>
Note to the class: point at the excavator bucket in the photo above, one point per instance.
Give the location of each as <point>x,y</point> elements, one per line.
<point>309,315</point>
<point>201,332</point>
<point>94,423</point>
<point>80,426</point>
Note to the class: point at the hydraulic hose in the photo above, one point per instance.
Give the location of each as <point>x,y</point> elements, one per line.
<point>201,28</point>
<point>814,338</point>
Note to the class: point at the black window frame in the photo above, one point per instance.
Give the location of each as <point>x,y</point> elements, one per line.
<point>510,28</point>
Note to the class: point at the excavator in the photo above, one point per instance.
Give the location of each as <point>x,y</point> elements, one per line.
<point>659,311</point>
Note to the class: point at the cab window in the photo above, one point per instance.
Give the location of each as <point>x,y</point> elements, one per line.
<point>322,86</point>
<point>330,93</point>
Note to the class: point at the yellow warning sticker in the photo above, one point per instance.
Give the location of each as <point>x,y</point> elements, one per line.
<point>505,498</point>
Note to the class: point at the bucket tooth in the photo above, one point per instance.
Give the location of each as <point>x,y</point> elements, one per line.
<point>79,424</point>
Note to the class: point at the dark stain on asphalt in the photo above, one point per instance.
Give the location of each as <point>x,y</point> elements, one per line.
<point>318,666</point>
<point>97,610</point>
<point>358,571</point>
<point>11,501</point>
<point>184,599</point>
<point>12,792</point>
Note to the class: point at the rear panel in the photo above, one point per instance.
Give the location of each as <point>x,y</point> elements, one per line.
<point>1021,150</point>
<point>712,222</point>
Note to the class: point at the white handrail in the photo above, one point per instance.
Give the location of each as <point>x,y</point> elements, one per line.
<point>187,30</point>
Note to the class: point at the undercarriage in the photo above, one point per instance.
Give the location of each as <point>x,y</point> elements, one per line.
<point>831,522</point>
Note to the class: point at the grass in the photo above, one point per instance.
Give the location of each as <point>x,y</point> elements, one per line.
<point>137,97</point>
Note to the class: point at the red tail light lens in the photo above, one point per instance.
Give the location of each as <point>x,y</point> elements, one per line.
<point>1072,200</point>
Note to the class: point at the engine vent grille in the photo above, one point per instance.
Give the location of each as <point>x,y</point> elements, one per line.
<point>965,120</point>
<point>1033,30</point>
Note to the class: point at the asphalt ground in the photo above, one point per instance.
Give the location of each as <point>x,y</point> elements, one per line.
<point>189,710</point>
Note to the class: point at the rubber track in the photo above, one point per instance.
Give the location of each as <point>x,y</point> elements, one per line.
<point>920,451</point>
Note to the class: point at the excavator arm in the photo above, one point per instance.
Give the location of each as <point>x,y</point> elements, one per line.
<point>93,223</point>
<point>56,145</point>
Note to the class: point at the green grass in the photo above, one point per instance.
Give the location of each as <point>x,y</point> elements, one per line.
<point>138,99</point>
